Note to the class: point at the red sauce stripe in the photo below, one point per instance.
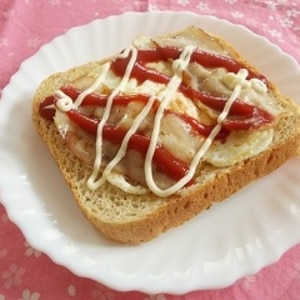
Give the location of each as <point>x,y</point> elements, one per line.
<point>170,165</point>
<point>100,100</point>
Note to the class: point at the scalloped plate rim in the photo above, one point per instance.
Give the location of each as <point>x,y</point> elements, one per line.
<point>137,285</point>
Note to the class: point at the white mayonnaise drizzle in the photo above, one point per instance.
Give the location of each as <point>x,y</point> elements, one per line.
<point>64,103</point>
<point>93,183</point>
<point>94,86</point>
<point>232,79</point>
<point>167,94</point>
<point>123,148</point>
<point>243,73</point>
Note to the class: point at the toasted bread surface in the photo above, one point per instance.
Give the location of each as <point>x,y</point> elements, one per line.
<point>129,218</point>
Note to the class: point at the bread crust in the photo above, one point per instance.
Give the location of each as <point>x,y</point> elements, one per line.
<point>147,216</point>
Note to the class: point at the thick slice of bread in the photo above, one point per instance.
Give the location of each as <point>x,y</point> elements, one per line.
<point>132,218</point>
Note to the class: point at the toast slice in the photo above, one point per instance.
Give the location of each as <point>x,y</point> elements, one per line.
<point>214,124</point>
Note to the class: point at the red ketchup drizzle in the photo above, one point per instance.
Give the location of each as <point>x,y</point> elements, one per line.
<point>174,167</point>
<point>242,116</point>
<point>207,60</point>
<point>123,100</point>
<point>44,108</point>
<point>252,116</point>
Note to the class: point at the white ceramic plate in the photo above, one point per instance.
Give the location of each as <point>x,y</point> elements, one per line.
<point>238,237</point>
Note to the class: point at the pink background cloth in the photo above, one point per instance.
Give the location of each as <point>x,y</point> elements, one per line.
<point>25,25</point>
